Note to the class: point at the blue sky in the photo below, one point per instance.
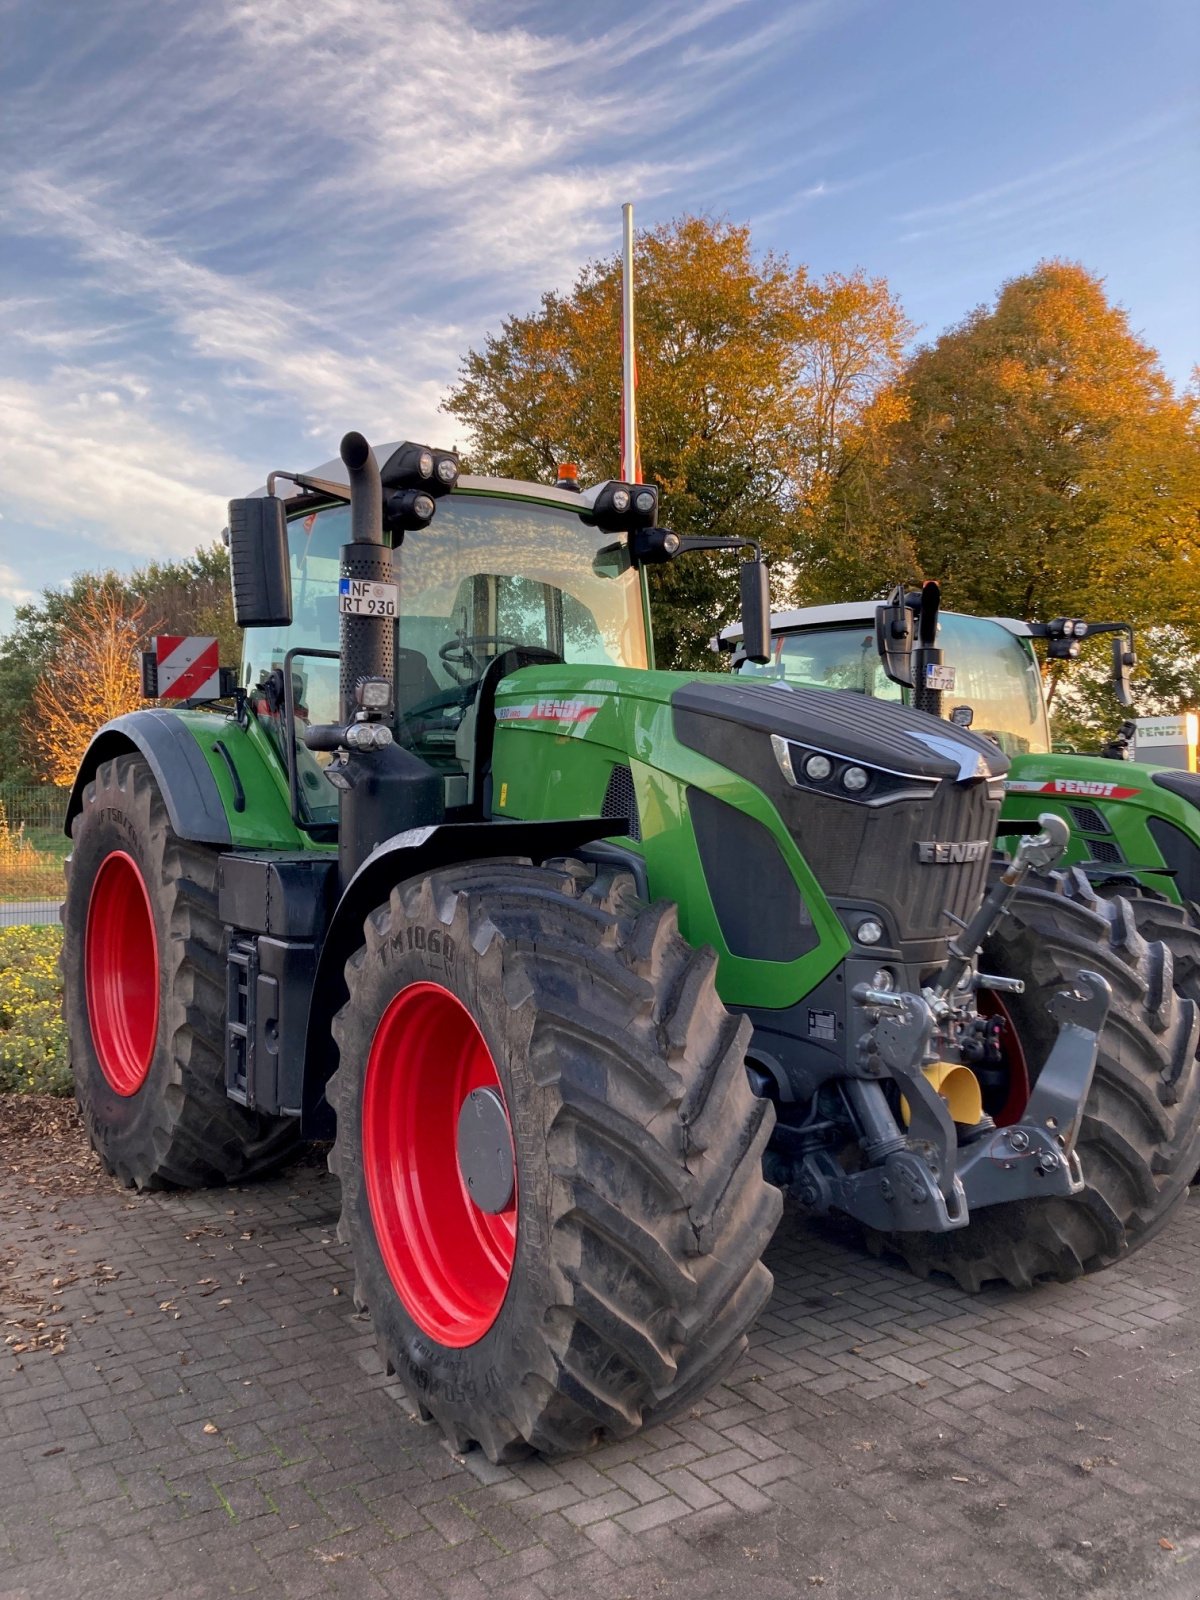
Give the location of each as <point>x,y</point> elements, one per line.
<point>232,229</point>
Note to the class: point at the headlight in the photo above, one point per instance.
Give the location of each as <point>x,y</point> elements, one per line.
<point>373,694</point>
<point>818,768</point>
<point>869,931</point>
<point>620,500</point>
<point>368,736</point>
<point>855,779</point>
<point>425,464</point>
<point>645,502</point>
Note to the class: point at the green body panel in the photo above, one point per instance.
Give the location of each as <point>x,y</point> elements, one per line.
<point>265,823</point>
<point>621,716</point>
<point>1123,792</point>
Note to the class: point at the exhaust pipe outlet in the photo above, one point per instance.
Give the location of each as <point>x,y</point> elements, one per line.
<point>366,641</point>
<point>366,490</point>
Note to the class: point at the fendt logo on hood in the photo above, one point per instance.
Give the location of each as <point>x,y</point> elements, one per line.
<point>1086,787</point>
<point>953,853</point>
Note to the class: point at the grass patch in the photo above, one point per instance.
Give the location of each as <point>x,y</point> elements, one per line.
<point>33,1039</point>
<point>31,860</point>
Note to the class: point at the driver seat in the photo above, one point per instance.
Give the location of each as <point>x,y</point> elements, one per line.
<point>414,681</point>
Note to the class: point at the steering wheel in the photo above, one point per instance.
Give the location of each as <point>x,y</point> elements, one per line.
<point>459,660</point>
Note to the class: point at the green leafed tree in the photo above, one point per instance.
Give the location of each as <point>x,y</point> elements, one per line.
<point>750,374</point>
<point>1035,459</point>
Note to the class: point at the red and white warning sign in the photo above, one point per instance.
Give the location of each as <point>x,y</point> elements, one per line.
<point>187,667</point>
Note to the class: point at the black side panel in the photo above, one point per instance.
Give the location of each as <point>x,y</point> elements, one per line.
<point>1185,784</point>
<point>758,904</point>
<point>411,855</point>
<point>1179,852</point>
<point>188,787</point>
<point>290,895</point>
<point>620,801</point>
<point>283,994</point>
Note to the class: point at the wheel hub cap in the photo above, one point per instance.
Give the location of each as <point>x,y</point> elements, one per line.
<point>485,1153</point>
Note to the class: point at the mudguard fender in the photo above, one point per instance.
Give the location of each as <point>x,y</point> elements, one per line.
<point>193,800</point>
<point>412,854</point>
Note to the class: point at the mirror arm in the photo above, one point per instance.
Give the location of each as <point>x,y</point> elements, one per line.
<point>304,480</point>
<point>700,542</point>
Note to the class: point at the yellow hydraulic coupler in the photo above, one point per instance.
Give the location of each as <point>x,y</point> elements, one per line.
<point>958,1087</point>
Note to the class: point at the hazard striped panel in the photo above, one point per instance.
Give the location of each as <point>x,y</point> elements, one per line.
<point>187,667</point>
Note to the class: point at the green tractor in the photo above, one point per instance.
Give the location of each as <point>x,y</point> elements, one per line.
<point>569,957</point>
<point>1135,824</point>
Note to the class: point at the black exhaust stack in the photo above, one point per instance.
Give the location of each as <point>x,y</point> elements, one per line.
<point>385,789</point>
<point>366,641</point>
<point>927,690</point>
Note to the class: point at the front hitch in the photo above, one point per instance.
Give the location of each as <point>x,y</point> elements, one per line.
<point>922,1180</point>
<point>1036,1157</point>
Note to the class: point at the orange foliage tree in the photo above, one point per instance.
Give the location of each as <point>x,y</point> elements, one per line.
<point>92,678</point>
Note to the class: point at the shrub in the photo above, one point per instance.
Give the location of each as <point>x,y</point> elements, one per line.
<point>33,1039</point>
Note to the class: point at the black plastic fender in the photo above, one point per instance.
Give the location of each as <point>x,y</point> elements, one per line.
<point>412,854</point>
<point>193,800</point>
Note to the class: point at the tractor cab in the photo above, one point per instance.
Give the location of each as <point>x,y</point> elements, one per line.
<point>505,575</point>
<point>997,689</point>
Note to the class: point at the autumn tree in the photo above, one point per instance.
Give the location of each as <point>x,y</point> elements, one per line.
<point>188,595</point>
<point>92,678</point>
<point>1036,460</point>
<point>749,375</point>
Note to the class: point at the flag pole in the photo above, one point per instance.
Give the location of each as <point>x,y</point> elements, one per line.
<point>631,466</point>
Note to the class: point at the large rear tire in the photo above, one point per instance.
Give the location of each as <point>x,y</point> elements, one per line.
<point>1139,1141</point>
<point>612,1276</point>
<point>1177,926</point>
<point>144,996</point>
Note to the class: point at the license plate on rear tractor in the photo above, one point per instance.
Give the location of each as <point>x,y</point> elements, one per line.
<point>360,598</point>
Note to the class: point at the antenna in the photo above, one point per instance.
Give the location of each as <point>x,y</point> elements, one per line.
<point>631,463</point>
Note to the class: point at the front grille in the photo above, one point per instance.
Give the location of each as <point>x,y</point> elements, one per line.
<point>1088,820</point>
<point>875,851</point>
<point>620,800</point>
<point>1104,850</point>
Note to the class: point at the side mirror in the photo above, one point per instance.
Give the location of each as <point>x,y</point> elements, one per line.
<point>1123,662</point>
<point>894,637</point>
<point>258,563</point>
<point>756,610</point>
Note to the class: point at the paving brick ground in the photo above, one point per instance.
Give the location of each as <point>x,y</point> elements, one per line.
<point>216,1423</point>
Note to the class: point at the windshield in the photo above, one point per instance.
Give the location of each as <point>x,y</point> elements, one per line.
<point>489,573</point>
<point>996,674</point>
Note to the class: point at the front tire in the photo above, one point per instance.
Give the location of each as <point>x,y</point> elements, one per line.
<point>1139,1141</point>
<point>618,1268</point>
<point>144,996</point>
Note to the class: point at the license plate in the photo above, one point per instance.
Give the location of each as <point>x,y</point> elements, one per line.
<point>358,597</point>
<point>939,677</point>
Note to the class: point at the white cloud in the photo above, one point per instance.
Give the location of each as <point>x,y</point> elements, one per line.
<point>11,587</point>
<point>115,473</point>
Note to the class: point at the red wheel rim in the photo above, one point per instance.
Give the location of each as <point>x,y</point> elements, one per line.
<point>120,964</point>
<point>449,1262</point>
<point>990,1004</point>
